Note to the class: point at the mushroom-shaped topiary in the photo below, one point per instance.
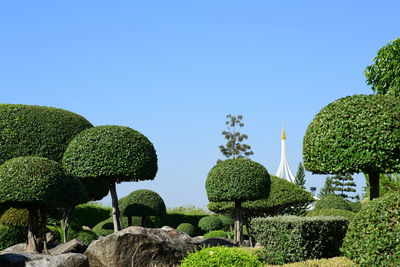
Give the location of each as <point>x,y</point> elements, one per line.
<point>142,203</point>
<point>210,223</point>
<point>333,202</point>
<point>359,133</point>
<point>37,184</point>
<point>187,228</point>
<point>37,131</point>
<point>114,154</point>
<point>237,180</point>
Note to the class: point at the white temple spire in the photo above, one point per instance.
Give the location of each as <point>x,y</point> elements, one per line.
<point>284,169</point>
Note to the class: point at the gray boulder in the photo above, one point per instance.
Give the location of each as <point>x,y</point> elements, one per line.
<point>72,246</point>
<point>22,259</point>
<point>138,246</point>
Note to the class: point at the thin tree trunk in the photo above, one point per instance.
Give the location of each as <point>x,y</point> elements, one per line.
<point>43,228</point>
<point>238,223</point>
<point>34,236</point>
<point>115,210</point>
<point>129,220</point>
<point>67,217</point>
<point>249,234</point>
<point>373,185</point>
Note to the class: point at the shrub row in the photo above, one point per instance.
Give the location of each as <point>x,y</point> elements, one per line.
<point>349,215</point>
<point>291,238</point>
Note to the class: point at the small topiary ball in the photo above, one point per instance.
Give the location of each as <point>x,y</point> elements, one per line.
<point>187,228</point>
<point>142,202</point>
<point>210,223</point>
<point>333,202</point>
<point>373,236</point>
<point>220,256</point>
<point>15,217</point>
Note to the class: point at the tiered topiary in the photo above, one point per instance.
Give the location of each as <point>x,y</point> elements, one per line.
<point>142,203</point>
<point>331,212</point>
<point>210,223</point>
<point>373,235</point>
<point>355,134</point>
<point>112,154</point>
<point>38,184</point>
<point>187,228</point>
<point>37,131</point>
<point>333,202</point>
<point>237,180</point>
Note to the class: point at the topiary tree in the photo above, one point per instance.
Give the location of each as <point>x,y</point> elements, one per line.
<point>187,228</point>
<point>113,154</point>
<point>210,223</point>
<point>37,184</point>
<point>384,74</point>
<point>237,180</point>
<point>142,203</point>
<point>37,131</point>
<point>333,202</point>
<point>373,235</point>
<point>359,133</point>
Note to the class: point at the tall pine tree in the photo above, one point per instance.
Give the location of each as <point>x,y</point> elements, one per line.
<point>300,179</point>
<point>344,184</point>
<point>327,189</point>
<point>234,147</point>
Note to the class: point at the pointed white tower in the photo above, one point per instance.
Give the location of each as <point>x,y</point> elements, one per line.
<point>284,169</point>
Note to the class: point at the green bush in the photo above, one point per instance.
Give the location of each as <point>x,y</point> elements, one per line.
<point>355,206</point>
<point>331,212</point>
<point>210,223</point>
<point>56,231</point>
<point>142,202</point>
<point>37,131</point>
<point>291,238</point>
<point>89,214</point>
<point>220,256</point>
<point>333,202</point>
<point>373,236</point>
<point>106,227</point>
<point>216,234</point>
<point>15,217</point>
<point>11,235</point>
<point>175,219</point>
<point>87,236</point>
<point>187,228</point>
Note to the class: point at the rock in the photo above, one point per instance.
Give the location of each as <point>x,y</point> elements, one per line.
<point>213,242</point>
<point>51,237</point>
<point>138,246</point>
<point>40,260</point>
<point>74,246</point>
<point>16,248</point>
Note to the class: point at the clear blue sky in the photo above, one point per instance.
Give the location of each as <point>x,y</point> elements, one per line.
<point>173,69</point>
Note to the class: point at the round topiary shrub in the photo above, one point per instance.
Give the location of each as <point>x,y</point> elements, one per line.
<point>37,131</point>
<point>216,234</point>
<point>187,228</point>
<point>331,212</point>
<point>373,236</point>
<point>15,217</point>
<point>142,202</point>
<point>106,227</point>
<point>220,256</point>
<point>333,202</point>
<point>210,223</point>
<point>11,235</point>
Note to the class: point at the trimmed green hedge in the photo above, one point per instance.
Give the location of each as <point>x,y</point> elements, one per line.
<point>106,227</point>
<point>331,212</point>
<point>87,236</point>
<point>142,202</point>
<point>15,217</point>
<point>237,180</point>
<point>89,214</point>
<point>373,236</point>
<point>116,152</point>
<point>11,235</point>
<point>187,228</point>
<point>210,223</point>
<point>216,234</point>
<point>220,256</point>
<point>355,206</point>
<point>175,219</point>
<point>333,202</point>
<point>291,238</point>
<point>37,131</point>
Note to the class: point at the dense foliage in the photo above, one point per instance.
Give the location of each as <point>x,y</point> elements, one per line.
<point>354,134</point>
<point>237,180</point>
<point>331,212</point>
<point>216,234</point>
<point>89,214</point>
<point>187,228</point>
<point>36,181</point>
<point>343,185</point>
<point>11,235</point>
<point>112,152</point>
<point>373,236</point>
<point>355,206</point>
<point>15,217</point>
<point>210,223</point>
<point>106,227</point>
<point>290,238</point>
<point>87,236</point>
<point>300,179</point>
<point>283,197</point>
<point>220,256</point>
<point>37,131</point>
<point>142,202</point>
<point>384,74</point>
<point>333,202</point>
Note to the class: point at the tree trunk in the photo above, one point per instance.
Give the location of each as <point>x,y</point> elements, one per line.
<point>34,235</point>
<point>129,220</point>
<point>67,216</point>
<point>249,234</point>
<point>373,185</point>
<point>115,210</point>
<point>43,228</point>
<point>238,223</point>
